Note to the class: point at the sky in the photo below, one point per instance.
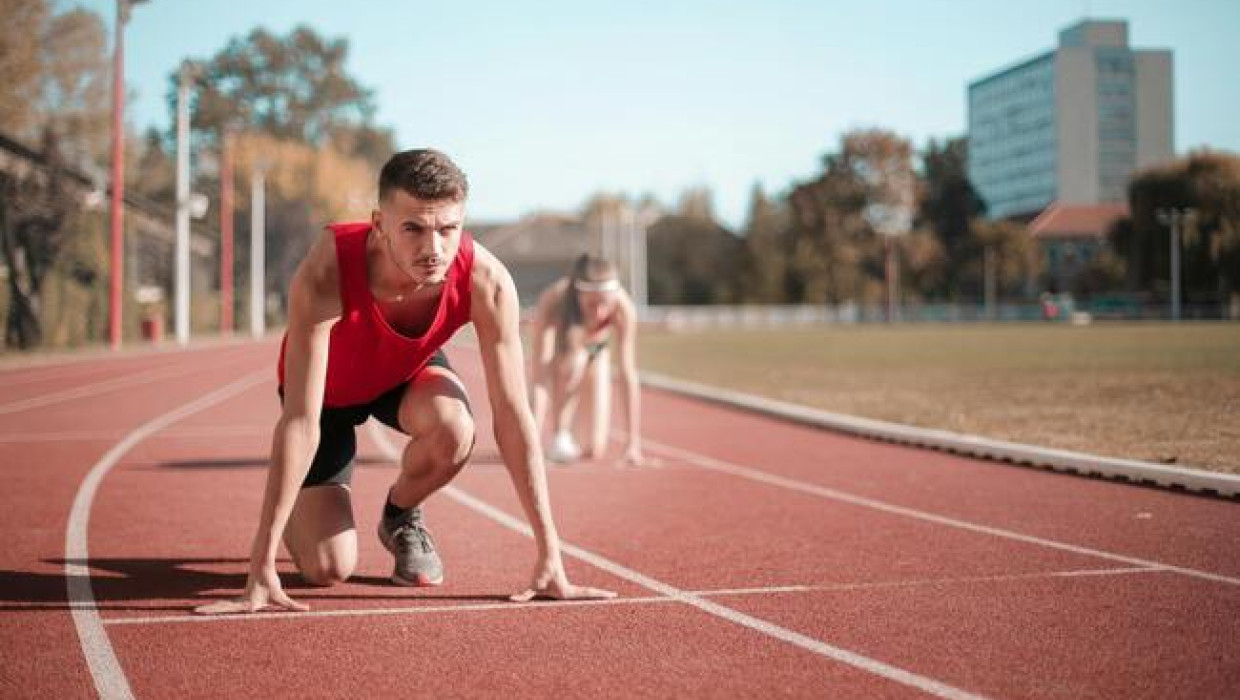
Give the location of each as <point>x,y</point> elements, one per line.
<point>546,102</point>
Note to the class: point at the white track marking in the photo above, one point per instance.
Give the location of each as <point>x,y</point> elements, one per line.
<point>144,377</point>
<point>23,378</point>
<point>865,663</point>
<point>66,436</point>
<point>104,668</point>
<point>91,435</point>
<point>706,593</point>
<point>363,612</point>
<point>911,583</point>
<point>719,465</point>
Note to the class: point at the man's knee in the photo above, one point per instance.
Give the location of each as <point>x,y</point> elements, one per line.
<point>326,572</point>
<point>449,444</point>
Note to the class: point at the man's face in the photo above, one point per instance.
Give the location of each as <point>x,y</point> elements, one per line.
<point>421,236</point>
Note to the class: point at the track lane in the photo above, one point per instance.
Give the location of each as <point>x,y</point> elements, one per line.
<point>178,482</point>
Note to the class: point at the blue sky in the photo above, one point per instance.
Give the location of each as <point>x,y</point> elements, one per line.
<point>544,102</point>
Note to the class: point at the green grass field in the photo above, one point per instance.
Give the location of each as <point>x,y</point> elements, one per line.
<point>1157,392</point>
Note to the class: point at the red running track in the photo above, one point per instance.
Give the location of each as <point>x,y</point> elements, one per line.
<point>762,559</point>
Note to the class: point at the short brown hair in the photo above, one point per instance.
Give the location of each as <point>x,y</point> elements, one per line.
<point>423,173</point>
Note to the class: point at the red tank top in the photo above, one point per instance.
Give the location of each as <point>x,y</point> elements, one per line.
<point>367,356</point>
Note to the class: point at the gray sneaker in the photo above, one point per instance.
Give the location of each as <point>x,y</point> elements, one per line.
<point>417,562</point>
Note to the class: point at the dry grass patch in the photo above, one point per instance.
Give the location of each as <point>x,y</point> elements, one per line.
<point>1155,392</point>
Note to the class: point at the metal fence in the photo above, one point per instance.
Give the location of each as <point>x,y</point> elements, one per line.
<point>763,316</point>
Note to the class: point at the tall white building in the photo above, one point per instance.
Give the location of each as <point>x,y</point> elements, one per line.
<point>1071,125</point>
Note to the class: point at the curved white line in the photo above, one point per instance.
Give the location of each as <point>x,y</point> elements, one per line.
<point>104,668</point>
<point>143,377</point>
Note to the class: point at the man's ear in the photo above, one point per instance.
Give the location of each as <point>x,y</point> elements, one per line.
<point>376,221</point>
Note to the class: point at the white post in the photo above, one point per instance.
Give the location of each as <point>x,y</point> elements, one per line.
<point>630,245</point>
<point>1177,224</point>
<point>258,310</point>
<point>640,294</point>
<point>605,248</point>
<point>1175,218</point>
<point>182,215</point>
<point>989,281</point>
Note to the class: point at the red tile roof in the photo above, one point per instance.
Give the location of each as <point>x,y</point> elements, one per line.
<point>1061,220</point>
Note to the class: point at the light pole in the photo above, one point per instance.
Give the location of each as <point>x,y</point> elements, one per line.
<point>258,216</point>
<point>1174,219</point>
<point>117,254</point>
<point>647,214</point>
<point>889,221</point>
<point>890,213</point>
<point>226,234</point>
<point>181,295</point>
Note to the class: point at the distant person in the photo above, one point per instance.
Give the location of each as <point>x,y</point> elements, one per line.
<point>576,322</point>
<point>369,309</point>
<point>1050,309</point>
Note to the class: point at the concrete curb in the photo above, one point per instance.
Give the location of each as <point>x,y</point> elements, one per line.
<point>1126,470</point>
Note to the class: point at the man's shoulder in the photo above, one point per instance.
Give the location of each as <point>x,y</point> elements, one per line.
<point>316,282</point>
<point>487,269</point>
<point>321,264</point>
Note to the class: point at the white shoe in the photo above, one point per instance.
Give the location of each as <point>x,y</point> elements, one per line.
<point>563,448</point>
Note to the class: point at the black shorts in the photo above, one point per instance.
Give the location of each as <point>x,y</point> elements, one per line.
<point>333,462</point>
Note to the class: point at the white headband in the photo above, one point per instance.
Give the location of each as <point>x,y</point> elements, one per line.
<point>610,285</point>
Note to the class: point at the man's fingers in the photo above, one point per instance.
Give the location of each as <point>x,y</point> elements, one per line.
<point>225,607</point>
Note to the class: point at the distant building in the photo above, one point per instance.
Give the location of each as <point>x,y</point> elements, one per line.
<point>537,249</point>
<point>1070,237</point>
<point>1070,125</point>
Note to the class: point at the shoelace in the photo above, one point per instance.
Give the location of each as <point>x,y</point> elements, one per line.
<point>409,535</point>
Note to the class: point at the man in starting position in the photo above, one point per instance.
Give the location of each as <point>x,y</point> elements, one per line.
<point>369,309</point>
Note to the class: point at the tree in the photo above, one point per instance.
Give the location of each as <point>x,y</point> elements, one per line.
<point>33,210</point>
<point>56,73</point>
<point>1209,183</point>
<point>866,187</point>
<point>697,203</point>
<point>293,87</point>
<point>692,258</point>
<point>75,85</point>
<point>924,263</point>
<point>1017,257</point>
<point>765,253</point>
<point>56,76</point>
<point>949,208</point>
<point>21,64</point>
<point>292,109</point>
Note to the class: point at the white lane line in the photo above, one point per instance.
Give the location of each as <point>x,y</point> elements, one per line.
<point>66,436</point>
<point>363,612</point>
<point>719,465</point>
<point>104,668</point>
<point>144,377</point>
<point>865,663</point>
<point>911,583</point>
<point>23,379</point>
<point>172,433</point>
<point>263,429</point>
<point>705,593</point>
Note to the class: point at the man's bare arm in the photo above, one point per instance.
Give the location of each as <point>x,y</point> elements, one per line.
<point>314,306</point>
<point>495,313</point>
